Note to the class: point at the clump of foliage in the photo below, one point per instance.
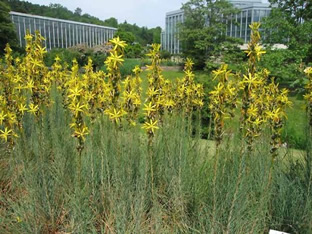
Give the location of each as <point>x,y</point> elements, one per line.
<point>203,33</point>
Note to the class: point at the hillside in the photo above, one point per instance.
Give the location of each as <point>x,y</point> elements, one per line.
<point>142,35</point>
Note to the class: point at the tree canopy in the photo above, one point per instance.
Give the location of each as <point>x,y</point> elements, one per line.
<point>290,23</point>
<point>7,33</point>
<point>203,32</point>
<point>142,35</point>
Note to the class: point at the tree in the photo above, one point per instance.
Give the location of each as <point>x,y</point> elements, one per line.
<point>78,11</point>
<point>156,34</point>
<point>203,34</point>
<point>111,22</point>
<point>297,10</point>
<point>7,32</point>
<point>290,23</point>
<point>128,37</point>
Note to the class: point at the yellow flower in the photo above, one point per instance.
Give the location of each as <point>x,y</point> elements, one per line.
<point>115,115</point>
<point>217,89</point>
<point>22,108</point>
<point>169,103</point>
<point>137,102</point>
<point>255,26</point>
<point>28,37</point>
<point>189,74</point>
<point>149,108</point>
<point>30,84</point>
<point>33,108</point>
<point>18,219</point>
<point>81,133</point>
<point>308,70</point>
<point>12,118</point>
<point>259,51</point>
<point>252,111</point>
<point>137,70</point>
<point>152,92</point>
<point>115,59</point>
<point>118,43</point>
<point>77,108</point>
<point>275,115</point>
<point>2,117</point>
<point>189,63</point>
<point>74,92</point>
<point>258,121</point>
<point>150,126</point>
<point>5,134</point>
<point>251,80</point>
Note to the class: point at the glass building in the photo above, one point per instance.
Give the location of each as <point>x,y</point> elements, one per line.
<point>170,37</point>
<point>237,25</point>
<point>250,11</point>
<point>60,33</point>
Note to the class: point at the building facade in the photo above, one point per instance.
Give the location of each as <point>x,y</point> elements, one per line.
<point>60,33</point>
<point>250,11</point>
<point>170,37</point>
<point>237,25</point>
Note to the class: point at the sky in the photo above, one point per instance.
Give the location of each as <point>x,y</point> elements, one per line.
<point>149,13</point>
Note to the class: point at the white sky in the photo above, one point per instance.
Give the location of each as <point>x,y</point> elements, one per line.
<point>150,13</point>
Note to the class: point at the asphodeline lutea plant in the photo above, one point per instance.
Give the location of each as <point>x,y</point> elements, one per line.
<point>223,99</point>
<point>59,75</point>
<point>308,95</point>
<point>93,83</point>
<point>38,82</point>
<point>276,103</point>
<point>131,96</point>
<point>12,98</point>
<point>78,104</point>
<point>253,83</point>
<point>154,104</point>
<point>189,95</point>
<point>113,62</point>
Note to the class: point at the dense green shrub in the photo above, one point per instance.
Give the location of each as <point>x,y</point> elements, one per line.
<point>284,64</point>
<point>164,54</point>
<point>127,66</point>
<point>66,56</point>
<point>81,55</point>
<point>134,50</point>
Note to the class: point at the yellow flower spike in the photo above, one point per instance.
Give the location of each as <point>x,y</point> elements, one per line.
<point>5,134</point>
